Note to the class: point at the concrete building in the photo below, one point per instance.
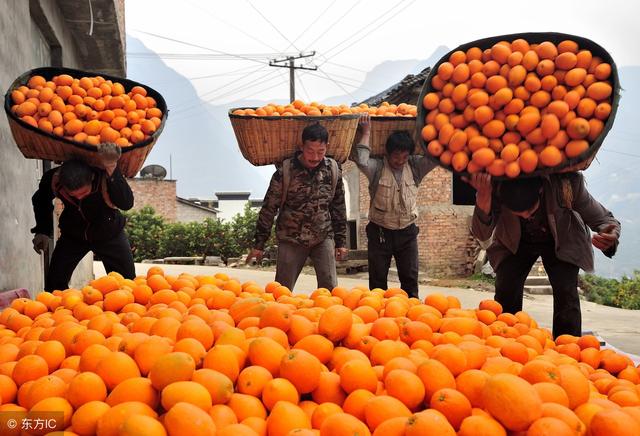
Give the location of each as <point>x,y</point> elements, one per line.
<point>230,204</point>
<point>445,203</point>
<point>36,33</point>
<point>190,210</point>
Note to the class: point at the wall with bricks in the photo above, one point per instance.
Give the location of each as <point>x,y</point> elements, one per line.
<point>445,244</point>
<point>159,194</point>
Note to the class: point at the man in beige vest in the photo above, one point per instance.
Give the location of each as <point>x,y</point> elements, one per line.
<point>393,188</point>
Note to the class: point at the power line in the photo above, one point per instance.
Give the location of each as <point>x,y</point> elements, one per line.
<point>312,23</point>
<point>292,67</point>
<point>241,87</point>
<point>232,82</point>
<point>196,45</point>
<point>299,79</point>
<point>332,24</point>
<point>367,33</point>
<point>239,29</point>
<point>357,32</point>
<point>272,25</point>
<point>204,56</point>
<point>346,67</point>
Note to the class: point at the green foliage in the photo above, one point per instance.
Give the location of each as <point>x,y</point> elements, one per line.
<point>623,293</point>
<point>152,238</point>
<point>144,229</point>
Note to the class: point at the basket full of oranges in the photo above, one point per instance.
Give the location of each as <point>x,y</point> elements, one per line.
<point>519,105</point>
<point>60,113</point>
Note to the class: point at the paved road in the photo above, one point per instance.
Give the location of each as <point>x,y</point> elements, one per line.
<point>620,328</point>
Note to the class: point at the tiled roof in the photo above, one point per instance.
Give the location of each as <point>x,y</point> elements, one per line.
<point>405,91</point>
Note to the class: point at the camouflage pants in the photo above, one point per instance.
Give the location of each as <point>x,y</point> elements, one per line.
<point>292,257</point>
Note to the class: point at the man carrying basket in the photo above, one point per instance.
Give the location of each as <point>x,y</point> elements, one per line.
<point>546,217</point>
<point>307,193</point>
<point>90,220</point>
<point>393,189</point>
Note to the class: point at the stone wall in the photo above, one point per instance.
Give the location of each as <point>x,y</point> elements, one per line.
<point>159,194</point>
<point>23,46</point>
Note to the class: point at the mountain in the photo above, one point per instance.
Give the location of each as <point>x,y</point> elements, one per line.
<point>206,159</point>
<point>195,149</point>
<point>614,180</point>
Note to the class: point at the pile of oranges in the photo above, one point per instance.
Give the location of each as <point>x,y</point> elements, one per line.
<point>89,110</point>
<point>516,107</point>
<point>315,109</point>
<point>204,355</point>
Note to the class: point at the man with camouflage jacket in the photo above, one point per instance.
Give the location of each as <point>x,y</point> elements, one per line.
<point>308,193</point>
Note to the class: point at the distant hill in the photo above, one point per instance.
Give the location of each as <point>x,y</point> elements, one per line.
<point>614,177</point>
<point>206,158</point>
<point>203,158</point>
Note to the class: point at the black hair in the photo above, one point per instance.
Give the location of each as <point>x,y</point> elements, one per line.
<point>520,195</point>
<point>400,140</point>
<point>315,132</point>
<point>74,174</point>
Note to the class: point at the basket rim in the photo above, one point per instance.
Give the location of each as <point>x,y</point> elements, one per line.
<point>49,72</point>
<point>306,117</point>
<point>291,117</point>
<point>531,37</point>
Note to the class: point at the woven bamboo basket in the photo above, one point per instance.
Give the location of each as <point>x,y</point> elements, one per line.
<point>36,144</point>
<point>577,163</point>
<point>382,127</point>
<point>270,140</point>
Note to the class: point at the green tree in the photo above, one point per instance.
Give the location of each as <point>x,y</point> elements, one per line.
<point>623,293</point>
<point>145,230</point>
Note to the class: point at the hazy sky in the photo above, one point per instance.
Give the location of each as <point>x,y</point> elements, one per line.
<point>350,37</point>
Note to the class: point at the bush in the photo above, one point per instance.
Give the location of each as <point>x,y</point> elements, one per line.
<point>152,238</point>
<point>623,293</point>
<point>144,229</point>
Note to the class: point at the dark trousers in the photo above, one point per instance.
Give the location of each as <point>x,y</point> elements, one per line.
<point>115,254</point>
<point>512,273</point>
<point>403,246</point>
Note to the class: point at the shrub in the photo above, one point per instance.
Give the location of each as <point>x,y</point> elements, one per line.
<point>623,293</point>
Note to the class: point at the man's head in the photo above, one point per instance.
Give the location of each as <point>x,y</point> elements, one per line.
<point>76,177</point>
<point>522,196</point>
<point>314,145</point>
<point>399,147</point>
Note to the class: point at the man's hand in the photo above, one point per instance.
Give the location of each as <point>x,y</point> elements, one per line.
<point>365,123</point>
<point>481,182</point>
<point>342,253</point>
<point>605,239</point>
<point>254,254</point>
<point>109,154</point>
<point>40,242</point>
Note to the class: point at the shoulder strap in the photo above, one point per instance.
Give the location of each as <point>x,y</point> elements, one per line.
<point>567,193</point>
<point>335,173</point>
<point>286,179</point>
<point>105,192</point>
<point>373,186</point>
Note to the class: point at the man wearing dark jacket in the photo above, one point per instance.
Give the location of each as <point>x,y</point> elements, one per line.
<point>90,220</point>
<point>549,217</point>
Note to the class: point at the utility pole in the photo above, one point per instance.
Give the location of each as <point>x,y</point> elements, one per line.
<point>292,67</point>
